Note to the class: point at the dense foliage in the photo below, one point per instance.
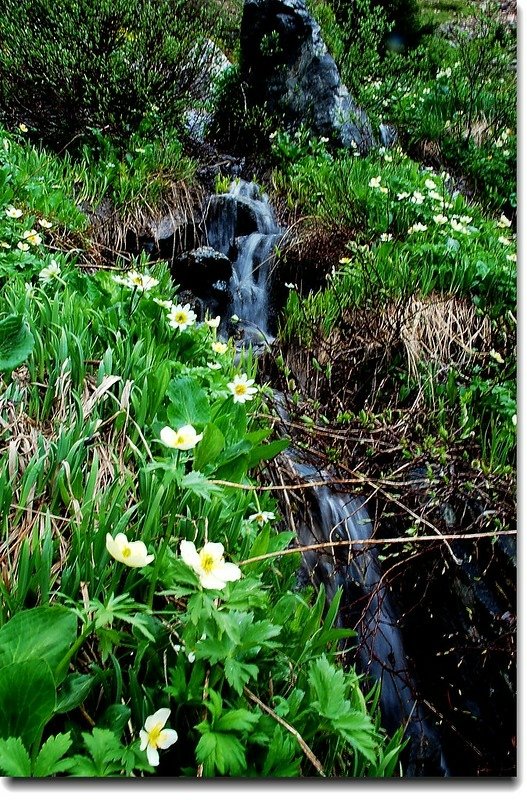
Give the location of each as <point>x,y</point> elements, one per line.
<point>151,620</point>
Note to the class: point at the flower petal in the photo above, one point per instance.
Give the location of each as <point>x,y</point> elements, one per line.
<point>167,738</point>
<point>228,572</point>
<point>143,736</point>
<point>168,436</point>
<point>158,718</point>
<point>190,556</point>
<point>214,549</point>
<point>152,756</point>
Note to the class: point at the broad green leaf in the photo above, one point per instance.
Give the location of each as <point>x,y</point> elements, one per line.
<point>16,342</point>
<point>49,761</point>
<point>189,403</point>
<point>27,699</point>
<point>47,632</point>
<point>210,446</point>
<point>73,691</point>
<point>238,719</point>
<point>265,452</point>
<point>14,759</point>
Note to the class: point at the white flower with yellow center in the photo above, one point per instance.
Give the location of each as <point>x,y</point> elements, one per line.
<point>32,237</point>
<point>374,183</point>
<point>496,356</point>
<point>44,223</point>
<point>242,388</point>
<point>261,517</point>
<point>155,736</point>
<point>181,317</point>
<point>503,240</point>
<point>142,282</point>
<point>23,246</point>
<point>503,222</point>
<point>23,127</point>
<point>418,198</point>
<point>50,273</point>
<point>219,347</point>
<point>213,322</point>
<point>209,564</point>
<point>14,213</point>
<point>511,257</point>
<point>133,554</point>
<point>184,438</point>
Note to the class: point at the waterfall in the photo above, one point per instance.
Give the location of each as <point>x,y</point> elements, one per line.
<point>241,224</point>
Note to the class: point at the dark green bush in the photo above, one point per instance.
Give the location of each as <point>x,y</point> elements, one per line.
<point>79,64</point>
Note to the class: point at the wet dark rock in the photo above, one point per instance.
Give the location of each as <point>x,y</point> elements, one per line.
<point>289,71</point>
<point>201,268</point>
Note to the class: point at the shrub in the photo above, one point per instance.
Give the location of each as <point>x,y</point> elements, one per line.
<point>108,64</point>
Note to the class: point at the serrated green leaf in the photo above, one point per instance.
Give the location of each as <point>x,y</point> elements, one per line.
<point>14,758</point>
<point>49,761</point>
<point>239,674</point>
<point>199,485</point>
<point>221,752</point>
<point>238,719</point>
<point>16,342</point>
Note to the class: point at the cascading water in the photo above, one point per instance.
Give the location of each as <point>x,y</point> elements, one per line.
<point>241,225</point>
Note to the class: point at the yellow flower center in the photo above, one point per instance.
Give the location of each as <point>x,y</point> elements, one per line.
<point>240,389</point>
<point>207,562</point>
<point>126,552</point>
<point>154,734</point>
<point>181,317</point>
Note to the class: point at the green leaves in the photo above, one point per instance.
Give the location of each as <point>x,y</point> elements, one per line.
<point>188,403</point>
<point>328,698</point>
<point>16,342</point>
<point>27,699</point>
<point>47,633</point>
<point>14,759</point>
<point>221,748</point>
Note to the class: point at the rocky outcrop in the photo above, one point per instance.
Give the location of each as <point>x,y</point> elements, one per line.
<point>289,71</point>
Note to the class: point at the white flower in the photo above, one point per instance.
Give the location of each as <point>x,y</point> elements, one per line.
<point>511,257</point>
<point>261,517</point>
<point>417,228</point>
<point>403,195</point>
<point>235,318</point>
<point>383,189</point>
<point>44,223</point>
<point>49,273</point>
<point>32,237</point>
<point>133,554</point>
<point>503,240</point>
<point>290,286</point>
<point>142,282</point>
<point>374,183</point>
<point>23,246</point>
<point>440,219</point>
<point>503,222</point>
<point>213,365</point>
<point>13,212</point>
<point>465,220</point>
<point>219,347</point>
<point>209,564</point>
<point>181,317</point>
<point>386,237</point>
<point>5,245</point>
<point>155,736</point>
<point>213,322</point>
<point>242,388</point>
<point>184,438</point>
<point>429,183</point>
<point>23,127</point>
<point>163,303</point>
<point>418,198</point>
<point>456,225</point>
<point>496,356</point>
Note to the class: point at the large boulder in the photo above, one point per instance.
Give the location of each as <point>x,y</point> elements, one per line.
<point>287,68</point>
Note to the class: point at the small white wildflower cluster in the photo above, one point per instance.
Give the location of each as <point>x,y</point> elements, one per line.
<point>444,73</point>
<point>501,141</point>
<point>375,183</point>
